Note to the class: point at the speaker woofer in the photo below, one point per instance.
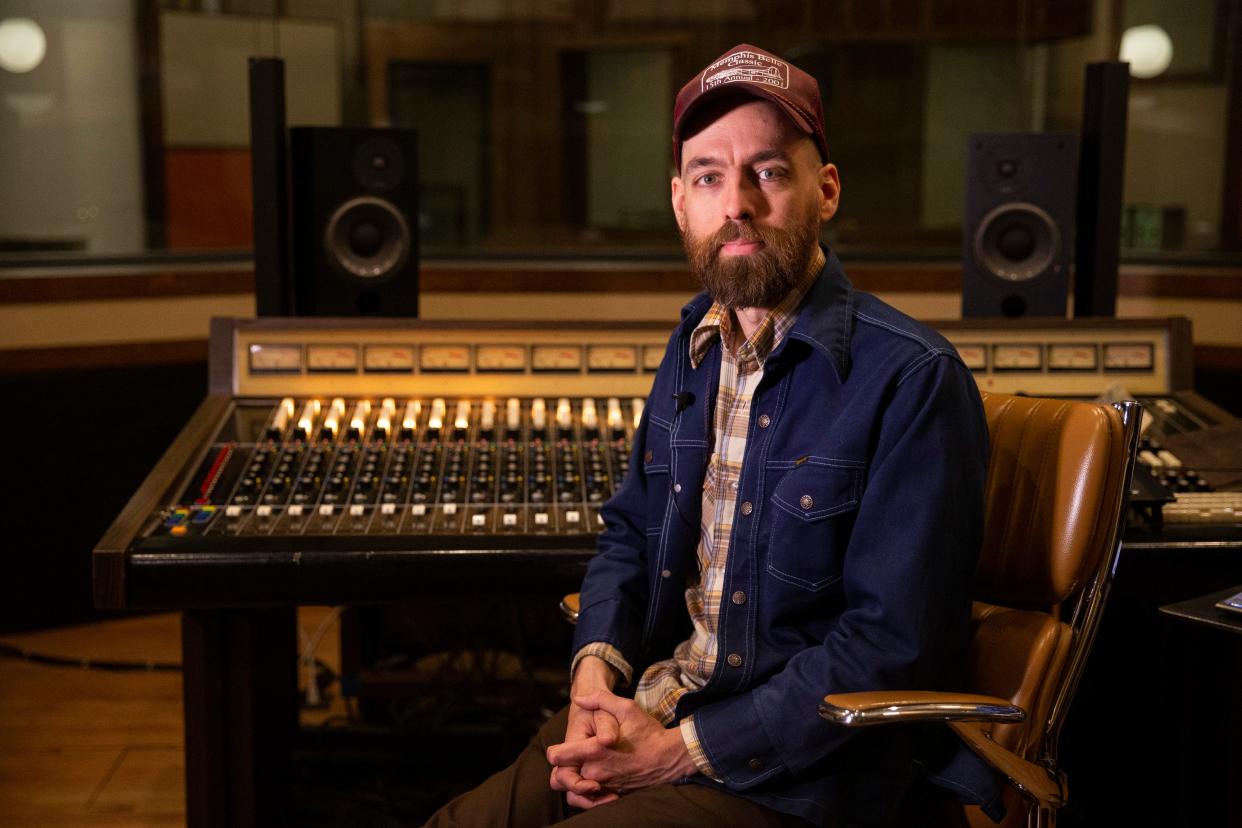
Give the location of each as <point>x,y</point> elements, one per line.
<point>1016,242</point>
<point>367,238</point>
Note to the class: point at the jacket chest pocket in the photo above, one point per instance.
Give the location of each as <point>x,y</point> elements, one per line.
<point>656,462</point>
<point>812,513</point>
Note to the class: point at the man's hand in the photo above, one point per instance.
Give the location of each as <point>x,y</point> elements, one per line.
<point>593,675</point>
<point>641,753</point>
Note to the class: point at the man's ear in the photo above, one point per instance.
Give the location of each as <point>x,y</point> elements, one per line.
<point>679,202</point>
<point>829,191</point>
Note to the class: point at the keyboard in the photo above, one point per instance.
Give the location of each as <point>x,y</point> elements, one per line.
<point>1204,507</point>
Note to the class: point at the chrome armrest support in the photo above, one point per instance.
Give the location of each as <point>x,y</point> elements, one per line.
<point>881,707</point>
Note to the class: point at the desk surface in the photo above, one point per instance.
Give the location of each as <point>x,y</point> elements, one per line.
<point>1203,610</point>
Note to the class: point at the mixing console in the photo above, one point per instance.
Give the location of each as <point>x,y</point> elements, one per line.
<point>344,460</point>
<point>389,466</point>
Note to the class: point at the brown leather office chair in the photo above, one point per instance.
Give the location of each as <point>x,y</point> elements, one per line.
<point>1058,484</point>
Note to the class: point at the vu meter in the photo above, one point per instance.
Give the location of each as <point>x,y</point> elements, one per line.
<point>275,359</point>
<point>332,358</point>
<point>445,358</point>
<point>1072,357</point>
<point>392,358</point>
<point>556,358</point>
<point>1017,357</point>
<point>974,357</point>
<point>500,358</point>
<point>612,357</point>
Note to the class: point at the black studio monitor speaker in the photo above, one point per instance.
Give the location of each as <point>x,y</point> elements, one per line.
<point>354,199</point>
<point>1018,231</point>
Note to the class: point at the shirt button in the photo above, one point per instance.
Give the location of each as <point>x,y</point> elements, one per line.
<point>807,501</point>
<point>764,421</point>
<point>739,597</point>
<point>755,764</point>
<point>677,487</point>
<point>647,457</point>
<point>666,574</point>
<point>734,660</point>
<point>747,508</point>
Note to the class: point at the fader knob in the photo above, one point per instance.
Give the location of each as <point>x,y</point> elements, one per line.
<point>332,420</point>
<point>487,418</point>
<point>538,415</point>
<point>461,422</point>
<point>590,419</point>
<point>280,420</point>
<point>383,421</point>
<point>435,419</point>
<point>616,423</point>
<point>513,416</point>
<point>409,420</point>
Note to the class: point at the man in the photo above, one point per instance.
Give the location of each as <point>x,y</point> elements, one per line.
<point>802,517</point>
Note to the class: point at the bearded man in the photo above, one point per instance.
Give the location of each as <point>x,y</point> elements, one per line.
<point>802,516</point>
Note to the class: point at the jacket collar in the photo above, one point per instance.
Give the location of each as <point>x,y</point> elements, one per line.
<point>825,322</point>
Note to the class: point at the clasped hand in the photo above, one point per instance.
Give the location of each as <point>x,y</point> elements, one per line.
<point>612,747</point>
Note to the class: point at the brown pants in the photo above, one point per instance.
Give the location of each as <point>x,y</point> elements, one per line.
<point>519,797</point>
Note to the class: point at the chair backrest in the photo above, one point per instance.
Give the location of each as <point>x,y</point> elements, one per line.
<point>1058,485</point>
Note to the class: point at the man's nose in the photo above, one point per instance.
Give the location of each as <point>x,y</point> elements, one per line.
<point>741,199</point>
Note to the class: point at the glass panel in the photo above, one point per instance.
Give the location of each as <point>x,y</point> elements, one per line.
<point>543,124</point>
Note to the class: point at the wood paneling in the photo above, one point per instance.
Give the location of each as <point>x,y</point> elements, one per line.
<point>208,198</point>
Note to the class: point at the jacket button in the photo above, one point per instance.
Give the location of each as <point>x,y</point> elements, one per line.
<point>739,597</point>
<point>755,764</point>
<point>806,502</point>
<point>764,421</point>
<point>747,508</point>
<point>666,574</point>
<point>734,660</point>
<point>647,457</point>
<point>677,487</point>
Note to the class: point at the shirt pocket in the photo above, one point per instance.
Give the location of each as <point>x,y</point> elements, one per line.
<point>813,511</point>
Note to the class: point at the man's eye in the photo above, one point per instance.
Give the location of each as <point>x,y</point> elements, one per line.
<point>769,174</point>
<point>708,178</point>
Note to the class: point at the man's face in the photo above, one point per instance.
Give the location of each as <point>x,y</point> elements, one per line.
<point>749,201</point>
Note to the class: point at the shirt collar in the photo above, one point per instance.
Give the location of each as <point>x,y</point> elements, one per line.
<point>825,322</point>
<point>719,324</point>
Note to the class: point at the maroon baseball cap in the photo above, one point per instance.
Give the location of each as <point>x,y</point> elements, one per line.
<point>749,70</point>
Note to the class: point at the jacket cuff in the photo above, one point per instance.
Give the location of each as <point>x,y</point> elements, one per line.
<point>736,743</point>
<point>690,735</point>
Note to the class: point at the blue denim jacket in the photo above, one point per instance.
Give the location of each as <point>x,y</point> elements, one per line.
<point>853,553</point>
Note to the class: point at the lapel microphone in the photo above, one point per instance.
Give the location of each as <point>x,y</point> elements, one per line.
<point>684,400</point>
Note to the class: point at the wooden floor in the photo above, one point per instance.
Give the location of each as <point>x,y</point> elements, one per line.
<point>87,747</point>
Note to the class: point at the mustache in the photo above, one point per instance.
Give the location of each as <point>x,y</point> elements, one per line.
<point>745,231</point>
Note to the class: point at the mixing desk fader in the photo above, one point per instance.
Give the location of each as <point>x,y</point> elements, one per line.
<point>354,460</point>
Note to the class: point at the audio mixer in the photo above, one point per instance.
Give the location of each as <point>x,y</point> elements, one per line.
<point>340,460</point>
<point>353,460</point>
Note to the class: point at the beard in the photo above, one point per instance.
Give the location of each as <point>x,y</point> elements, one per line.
<point>758,280</point>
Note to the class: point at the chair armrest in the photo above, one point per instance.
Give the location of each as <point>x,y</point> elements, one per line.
<point>883,706</point>
<point>963,712</point>
<point>569,607</point>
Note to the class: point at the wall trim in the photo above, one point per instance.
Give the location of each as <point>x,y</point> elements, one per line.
<point>26,286</point>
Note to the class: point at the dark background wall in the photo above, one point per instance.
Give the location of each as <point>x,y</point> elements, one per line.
<point>79,444</point>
